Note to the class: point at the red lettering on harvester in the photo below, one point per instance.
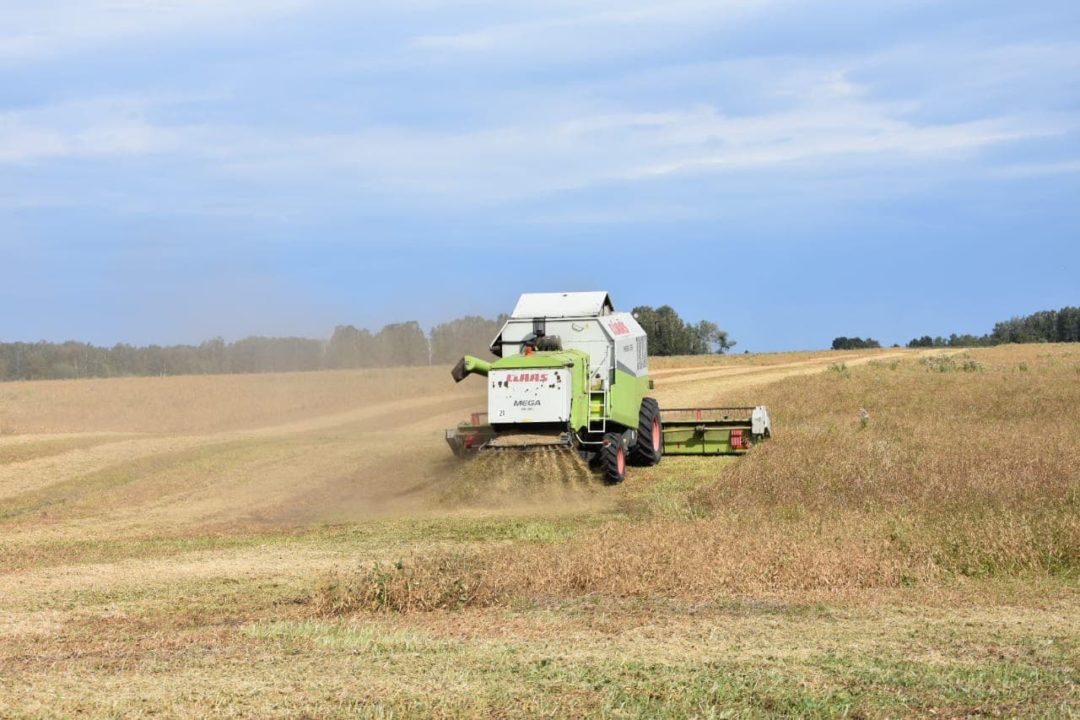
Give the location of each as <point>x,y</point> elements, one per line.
<point>528,377</point>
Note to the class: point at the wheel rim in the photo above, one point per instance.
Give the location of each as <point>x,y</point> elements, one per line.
<point>620,460</point>
<point>656,435</point>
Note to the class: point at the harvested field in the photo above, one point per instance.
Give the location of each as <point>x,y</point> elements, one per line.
<point>304,545</point>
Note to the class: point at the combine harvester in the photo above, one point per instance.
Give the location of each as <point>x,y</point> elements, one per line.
<point>572,373</point>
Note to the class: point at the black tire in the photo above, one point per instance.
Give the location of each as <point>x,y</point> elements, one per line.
<point>649,447</point>
<point>613,459</point>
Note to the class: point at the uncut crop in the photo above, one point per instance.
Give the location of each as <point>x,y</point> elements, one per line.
<point>913,473</point>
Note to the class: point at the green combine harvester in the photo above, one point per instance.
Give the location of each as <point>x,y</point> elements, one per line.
<point>572,373</point>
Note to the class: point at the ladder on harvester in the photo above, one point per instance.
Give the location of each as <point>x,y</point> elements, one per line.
<point>598,424</point>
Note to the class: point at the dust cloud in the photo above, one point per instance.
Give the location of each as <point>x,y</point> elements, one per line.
<point>548,478</point>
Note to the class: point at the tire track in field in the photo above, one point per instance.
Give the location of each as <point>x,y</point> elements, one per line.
<point>694,375</point>
<point>707,389</point>
<point>737,363</point>
<point>34,474</point>
<point>258,478</point>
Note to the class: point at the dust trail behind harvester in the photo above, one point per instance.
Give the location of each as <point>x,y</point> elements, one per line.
<point>545,477</point>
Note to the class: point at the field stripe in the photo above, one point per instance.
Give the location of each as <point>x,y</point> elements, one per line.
<point>29,475</point>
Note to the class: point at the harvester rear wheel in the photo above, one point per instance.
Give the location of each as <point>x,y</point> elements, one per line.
<point>649,447</point>
<point>613,459</point>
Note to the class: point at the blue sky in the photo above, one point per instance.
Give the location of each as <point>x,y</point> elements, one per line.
<point>173,170</point>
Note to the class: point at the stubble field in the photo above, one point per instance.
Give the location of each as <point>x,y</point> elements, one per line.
<point>304,545</point>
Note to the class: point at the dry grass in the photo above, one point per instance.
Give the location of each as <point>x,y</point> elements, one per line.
<point>171,553</point>
<point>681,363</point>
<point>606,660</point>
<point>204,403</point>
<point>949,472</point>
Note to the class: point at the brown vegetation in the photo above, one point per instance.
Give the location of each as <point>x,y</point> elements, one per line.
<point>168,548</point>
<point>894,474</point>
<point>206,403</point>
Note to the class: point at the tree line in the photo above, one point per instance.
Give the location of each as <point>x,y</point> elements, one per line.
<point>1045,326</point>
<point>669,334</point>
<point>348,347</point>
<point>396,344</point>
<point>854,343</point>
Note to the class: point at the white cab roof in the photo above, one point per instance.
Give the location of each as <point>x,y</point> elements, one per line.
<point>555,305</point>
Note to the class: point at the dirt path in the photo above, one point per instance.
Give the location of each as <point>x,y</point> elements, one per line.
<point>753,367</point>
<point>709,388</point>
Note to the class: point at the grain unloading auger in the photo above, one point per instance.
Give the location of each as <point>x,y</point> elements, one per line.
<point>573,374</point>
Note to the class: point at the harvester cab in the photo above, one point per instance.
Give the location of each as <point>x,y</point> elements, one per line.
<point>573,373</point>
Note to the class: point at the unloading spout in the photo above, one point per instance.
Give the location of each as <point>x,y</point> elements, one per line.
<point>469,365</point>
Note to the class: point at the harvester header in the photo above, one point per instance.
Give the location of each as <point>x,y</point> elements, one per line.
<point>573,372</point>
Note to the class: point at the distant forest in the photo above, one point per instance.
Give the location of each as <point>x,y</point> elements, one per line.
<point>855,343</point>
<point>1046,326</point>
<point>348,347</point>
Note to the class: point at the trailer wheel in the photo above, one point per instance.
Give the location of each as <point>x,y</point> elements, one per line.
<point>649,447</point>
<point>613,459</point>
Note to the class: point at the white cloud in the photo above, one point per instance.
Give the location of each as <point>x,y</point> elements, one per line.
<point>829,115</point>
<point>560,29</point>
<point>1022,171</point>
<point>800,136</point>
<point>34,30</point>
<point>101,128</point>
<point>828,126</point>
